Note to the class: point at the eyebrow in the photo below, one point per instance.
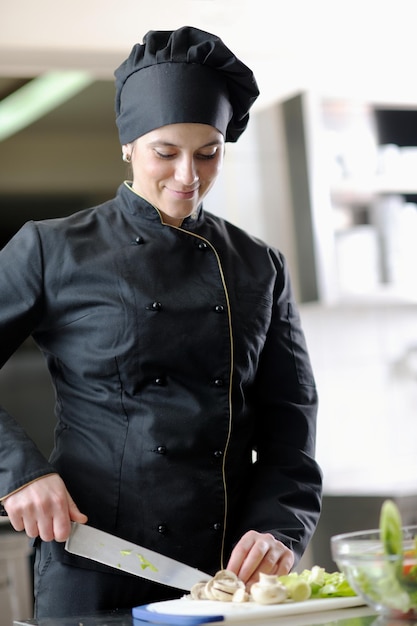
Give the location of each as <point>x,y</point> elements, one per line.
<point>169,144</point>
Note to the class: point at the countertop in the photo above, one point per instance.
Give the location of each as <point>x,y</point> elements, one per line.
<point>357,616</point>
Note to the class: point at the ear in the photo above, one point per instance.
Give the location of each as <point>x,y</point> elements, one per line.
<point>127,152</point>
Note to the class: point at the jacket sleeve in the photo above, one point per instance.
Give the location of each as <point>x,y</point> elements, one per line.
<point>21,306</point>
<point>284,494</point>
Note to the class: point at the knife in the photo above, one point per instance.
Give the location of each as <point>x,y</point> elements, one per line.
<point>125,556</point>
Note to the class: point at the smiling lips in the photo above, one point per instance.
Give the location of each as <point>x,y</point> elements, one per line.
<point>184,194</point>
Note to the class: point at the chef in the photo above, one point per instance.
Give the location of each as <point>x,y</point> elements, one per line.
<point>185,400</point>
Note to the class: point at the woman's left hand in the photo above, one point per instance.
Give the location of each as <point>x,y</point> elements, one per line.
<point>259,552</point>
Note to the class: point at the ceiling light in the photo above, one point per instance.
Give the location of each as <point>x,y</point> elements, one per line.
<point>41,95</point>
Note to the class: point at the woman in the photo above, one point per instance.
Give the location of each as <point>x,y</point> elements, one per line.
<point>186,405</point>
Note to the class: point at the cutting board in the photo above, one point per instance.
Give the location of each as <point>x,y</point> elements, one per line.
<point>188,612</point>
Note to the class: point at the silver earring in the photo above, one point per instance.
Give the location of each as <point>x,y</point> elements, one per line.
<point>126,157</point>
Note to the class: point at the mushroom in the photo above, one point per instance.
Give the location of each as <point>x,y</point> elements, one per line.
<point>240,595</point>
<point>198,591</point>
<point>223,586</point>
<point>268,590</point>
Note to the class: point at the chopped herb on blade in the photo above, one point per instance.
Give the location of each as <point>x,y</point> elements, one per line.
<point>144,563</point>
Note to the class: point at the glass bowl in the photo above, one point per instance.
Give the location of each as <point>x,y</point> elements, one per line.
<point>387,583</point>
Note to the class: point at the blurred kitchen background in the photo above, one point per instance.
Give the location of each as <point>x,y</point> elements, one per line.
<point>327,172</point>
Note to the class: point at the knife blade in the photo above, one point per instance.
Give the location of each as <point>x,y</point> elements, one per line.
<point>102,547</point>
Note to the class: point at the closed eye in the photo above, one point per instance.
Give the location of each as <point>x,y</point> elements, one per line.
<point>164,155</point>
<point>212,155</point>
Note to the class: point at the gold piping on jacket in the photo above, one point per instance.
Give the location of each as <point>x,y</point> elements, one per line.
<point>229,431</point>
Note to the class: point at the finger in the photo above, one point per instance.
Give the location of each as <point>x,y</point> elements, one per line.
<point>15,520</point>
<point>62,520</point>
<point>61,528</point>
<point>258,559</point>
<point>17,517</point>
<point>30,526</point>
<point>240,552</point>
<point>285,563</point>
<point>75,513</point>
<point>277,562</point>
<point>45,528</point>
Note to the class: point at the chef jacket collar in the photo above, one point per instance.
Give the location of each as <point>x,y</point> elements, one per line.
<point>137,205</point>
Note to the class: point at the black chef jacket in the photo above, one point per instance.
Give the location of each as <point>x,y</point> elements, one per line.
<point>185,400</point>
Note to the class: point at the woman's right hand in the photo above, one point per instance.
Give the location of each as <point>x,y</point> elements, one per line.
<point>44,509</point>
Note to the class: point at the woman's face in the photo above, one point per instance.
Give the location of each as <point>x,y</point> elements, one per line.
<point>175,166</point>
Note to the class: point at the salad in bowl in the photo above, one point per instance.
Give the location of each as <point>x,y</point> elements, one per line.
<point>381,564</point>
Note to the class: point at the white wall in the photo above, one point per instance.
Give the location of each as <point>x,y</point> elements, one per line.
<point>365,360</point>
<point>348,46</point>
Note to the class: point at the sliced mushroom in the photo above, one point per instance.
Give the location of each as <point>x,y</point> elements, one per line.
<point>223,586</point>
<point>240,595</point>
<point>198,591</point>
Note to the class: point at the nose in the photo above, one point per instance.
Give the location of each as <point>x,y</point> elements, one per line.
<point>186,172</point>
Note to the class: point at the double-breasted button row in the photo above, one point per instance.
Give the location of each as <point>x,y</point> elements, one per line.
<point>157,306</point>
<point>161,381</point>
<point>161,449</point>
<point>163,528</point>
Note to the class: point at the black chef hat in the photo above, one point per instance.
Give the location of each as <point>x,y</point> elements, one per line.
<point>185,75</point>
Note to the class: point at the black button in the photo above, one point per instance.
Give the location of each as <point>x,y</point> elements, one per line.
<point>218,454</point>
<point>155,306</point>
<point>162,529</point>
<point>137,241</point>
<point>219,308</point>
<point>217,526</point>
<point>160,381</point>
<point>161,450</point>
<point>218,382</point>
<point>202,245</point>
